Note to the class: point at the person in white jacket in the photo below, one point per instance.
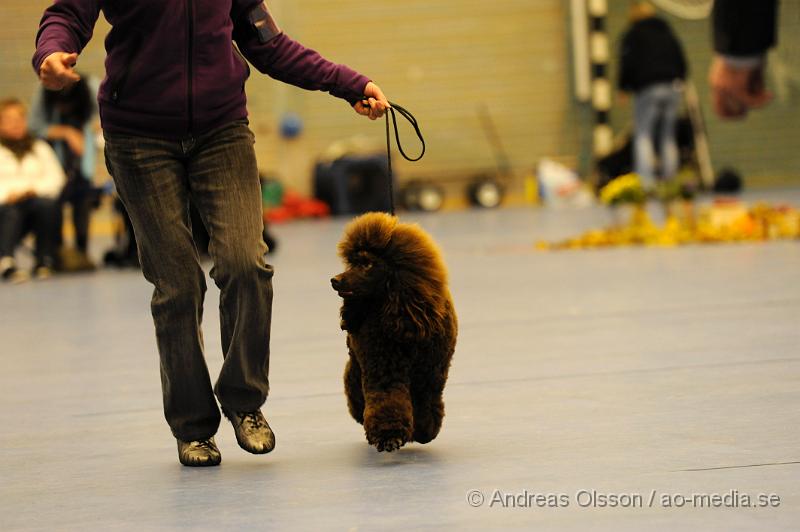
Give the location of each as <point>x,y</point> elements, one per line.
<point>31,179</point>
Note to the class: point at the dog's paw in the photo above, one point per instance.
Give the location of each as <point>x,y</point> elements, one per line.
<point>389,445</point>
<point>389,439</point>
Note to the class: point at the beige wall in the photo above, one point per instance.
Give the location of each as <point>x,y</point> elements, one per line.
<point>441,59</point>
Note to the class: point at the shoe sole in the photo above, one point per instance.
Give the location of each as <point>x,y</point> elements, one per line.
<point>201,464</point>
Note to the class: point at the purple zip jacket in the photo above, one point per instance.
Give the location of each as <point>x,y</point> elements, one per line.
<point>171,67</point>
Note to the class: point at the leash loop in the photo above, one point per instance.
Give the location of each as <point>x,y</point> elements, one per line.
<point>413,121</point>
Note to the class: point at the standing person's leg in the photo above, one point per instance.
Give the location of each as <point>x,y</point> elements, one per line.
<point>670,159</point>
<point>150,176</point>
<point>225,187</point>
<point>58,243</point>
<point>81,209</point>
<point>76,193</point>
<point>644,153</point>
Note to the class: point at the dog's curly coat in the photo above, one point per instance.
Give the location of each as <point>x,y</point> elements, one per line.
<point>401,326</point>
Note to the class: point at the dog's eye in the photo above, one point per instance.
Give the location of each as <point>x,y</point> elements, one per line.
<point>367,265</point>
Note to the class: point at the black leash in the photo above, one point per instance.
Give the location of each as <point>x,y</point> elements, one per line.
<point>413,121</point>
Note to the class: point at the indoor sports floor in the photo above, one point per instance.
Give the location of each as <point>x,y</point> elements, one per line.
<point>642,375</point>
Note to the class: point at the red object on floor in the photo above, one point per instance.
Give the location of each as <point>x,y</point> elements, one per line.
<point>296,206</point>
<point>278,215</point>
<point>313,208</point>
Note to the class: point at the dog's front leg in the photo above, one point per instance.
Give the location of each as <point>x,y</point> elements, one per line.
<point>388,414</point>
<point>353,388</point>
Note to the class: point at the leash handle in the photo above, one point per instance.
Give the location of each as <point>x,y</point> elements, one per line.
<point>413,121</point>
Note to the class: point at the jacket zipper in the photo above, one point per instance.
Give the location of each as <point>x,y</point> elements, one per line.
<point>190,31</point>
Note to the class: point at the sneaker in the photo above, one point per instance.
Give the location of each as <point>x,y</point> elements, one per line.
<point>252,431</point>
<point>10,273</point>
<point>74,260</point>
<point>200,453</point>
<point>42,272</point>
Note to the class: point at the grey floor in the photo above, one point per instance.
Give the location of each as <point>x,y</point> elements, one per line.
<point>626,372</point>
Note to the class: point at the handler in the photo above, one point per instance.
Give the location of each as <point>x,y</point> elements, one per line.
<point>173,112</point>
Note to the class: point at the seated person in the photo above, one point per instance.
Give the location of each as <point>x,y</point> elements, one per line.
<point>31,179</point>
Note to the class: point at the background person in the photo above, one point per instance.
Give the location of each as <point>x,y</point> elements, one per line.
<point>652,65</point>
<point>30,180</point>
<point>67,120</point>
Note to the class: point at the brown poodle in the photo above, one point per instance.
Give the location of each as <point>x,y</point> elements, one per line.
<point>401,329</point>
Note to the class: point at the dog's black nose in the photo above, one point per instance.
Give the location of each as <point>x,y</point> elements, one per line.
<point>335,283</point>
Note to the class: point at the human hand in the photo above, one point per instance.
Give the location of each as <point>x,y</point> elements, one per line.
<point>736,89</point>
<point>378,104</point>
<point>74,139</point>
<point>57,71</point>
<point>72,136</point>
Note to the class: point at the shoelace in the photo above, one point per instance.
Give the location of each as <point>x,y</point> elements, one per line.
<point>413,121</point>
<point>205,444</point>
<point>257,420</point>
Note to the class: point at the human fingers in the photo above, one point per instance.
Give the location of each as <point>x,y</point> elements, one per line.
<point>757,94</point>
<point>728,89</point>
<point>367,107</point>
<point>727,105</point>
<point>361,108</point>
<point>378,101</point>
<point>374,109</point>
<point>57,70</point>
<point>75,141</point>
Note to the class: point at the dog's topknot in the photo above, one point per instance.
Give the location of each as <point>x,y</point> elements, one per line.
<point>370,232</point>
<point>405,246</point>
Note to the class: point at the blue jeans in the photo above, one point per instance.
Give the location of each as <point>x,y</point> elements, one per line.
<point>656,105</point>
<point>155,180</point>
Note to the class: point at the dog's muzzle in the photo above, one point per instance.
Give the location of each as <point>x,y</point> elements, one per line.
<point>337,285</point>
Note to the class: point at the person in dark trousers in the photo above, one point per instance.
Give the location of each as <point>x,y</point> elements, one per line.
<point>66,120</point>
<point>172,107</point>
<point>744,30</point>
<point>652,67</point>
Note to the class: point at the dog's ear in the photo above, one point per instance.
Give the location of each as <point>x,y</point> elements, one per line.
<point>406,317</point>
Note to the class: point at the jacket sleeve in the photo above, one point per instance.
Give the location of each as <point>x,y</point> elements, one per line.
<point>289,61</point>
<point>66,26</point>
<point>744,27</point>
